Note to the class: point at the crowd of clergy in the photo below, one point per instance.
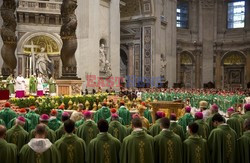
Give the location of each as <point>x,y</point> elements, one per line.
<point>117,136</point>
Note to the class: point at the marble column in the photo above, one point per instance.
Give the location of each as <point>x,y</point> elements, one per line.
<point>248,66</point>
<point>218,73</point>
<point>247,18</point>
<point>198,68</point>
<point>130,59</point>
<point>178,65</point>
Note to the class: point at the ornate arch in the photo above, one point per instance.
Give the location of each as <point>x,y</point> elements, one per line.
<point>52,42</point>
<point>233,58</point>
<point>187,58</point>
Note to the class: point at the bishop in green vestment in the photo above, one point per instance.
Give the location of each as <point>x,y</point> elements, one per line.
<point>155,129</point>
<point>214,110</point>
<point>103,113</point>
<point>60,131</point>
<point>167,145</point>
<point>195,148</point>
<point>88,130</point>
<point>7,114</point>
<point>247,112</point>
<point>104,148</point>
<point>32,84</point>
<point>52,85</point>
<point>17,135</point>
<point>116,129</point>
<point>2,122</point>
<point>10,84</point>
<point>222,141</point>
<point>39,149</point>
<point>186,119</point>
<point>71,147</point>
<point>243,145</point>
<point>175,127</point>
<point>137,147</point>
<point>124,113</point>
<point>54,123</point>
<point>27,125</point>
<point>8,151</point>
<point>33,117</point>
<point>235,122</point>
<point>203,130</point>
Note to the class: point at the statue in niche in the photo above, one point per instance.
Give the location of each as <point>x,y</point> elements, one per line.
<point>163,67</point>
<point>42,63</point>
<point>104,65</point>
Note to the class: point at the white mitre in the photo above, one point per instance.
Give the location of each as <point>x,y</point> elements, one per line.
<point>247,100</point>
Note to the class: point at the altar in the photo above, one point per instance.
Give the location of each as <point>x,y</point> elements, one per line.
<point>168,107</point>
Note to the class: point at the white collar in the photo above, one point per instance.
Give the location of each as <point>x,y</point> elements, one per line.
<point>137,129</point>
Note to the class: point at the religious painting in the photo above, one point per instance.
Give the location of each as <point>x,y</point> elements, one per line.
<point>235,76</point>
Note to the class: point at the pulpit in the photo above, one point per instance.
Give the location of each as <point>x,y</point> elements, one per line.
<point>168,107</point>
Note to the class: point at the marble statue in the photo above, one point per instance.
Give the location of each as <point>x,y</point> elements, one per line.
<point>42,63</point>
<point>9,37</point>
<point>104,64</point>
<point>68,36</point>
<point>163,67</point>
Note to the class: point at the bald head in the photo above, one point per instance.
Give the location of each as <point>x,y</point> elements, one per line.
<point>40,131</point>
<point>2,131</point>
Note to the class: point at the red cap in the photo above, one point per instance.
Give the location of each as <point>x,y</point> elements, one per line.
<point>22,111</point>
<point>122,103</point>
<point>104,104</point>
<point>113,110</point>
<point>53,112</point>
<point>61,107</point>
<point>44,117</point>
<point>199,115</point>
<point>32,107</point>
<point>7,104</point>
<point>143,103</point>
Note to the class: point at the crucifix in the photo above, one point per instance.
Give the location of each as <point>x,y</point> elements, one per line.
<point>32,54</point>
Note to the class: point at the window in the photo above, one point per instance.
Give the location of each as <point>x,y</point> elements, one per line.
<point>182,15</point>
<point>236,14</point>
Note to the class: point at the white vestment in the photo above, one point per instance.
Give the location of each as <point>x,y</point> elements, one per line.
<point>20,83</point>
<point>40,84</point>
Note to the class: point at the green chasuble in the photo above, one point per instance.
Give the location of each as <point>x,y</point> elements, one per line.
<point>104,149</point>
<point>8,152</point>
<point>195,149</point>
<point>155,129</point>
<point>177,129</point>
<point>32,84</point>
<point>2,122</point>
<point>203,130</point>
<point>147,114</point>
<point>59,114</point>
<point>222,144</point>
<point>87,131</point>
<point>54,124</point>
<point>51,135</point>
<point>245,116</point>
<point>10,84</point>
<point>167,147</point>
<point>102,113</point>
<point>124,113</point>
<point>52,85</point>
<point>18,136</point>
<point>210,123</point>
<point>236,123</point>
<point>50,155</point>
<point>7,115</point>
<point>117,130</point>
<point>185,120</point>
<point>130,130</point>
<point>34,119</point>
<point>27,125</point>
<point>79,123</point>
<point>120,120</point>
<point>137,148</point>
<point>72,149</point>
<point>60,132</point>
<point>243,148</point>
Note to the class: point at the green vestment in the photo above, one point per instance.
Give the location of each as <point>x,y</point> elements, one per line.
<point>203,130</point>
<point>32,84</point>
<point>117,130</point>
<point>18,136</point>
<point>79,123</point>
<point>155,129</point>
<point>185,121</point>
<point>236,123</point>
<point>50,134</point>
<point>52,86</point>
<point>124,113</point>
<point>34,119</point>
<point>167,147</point>
<point>103,113</point>
<point>222,144</point>
<point>60,132</point>
<point>54,124</point>
<point>27,125</point>
<point>195,149</point>
<point>147,114</point>
<point>28,155</point>
<point>104,149</point>
<point>2,122</point>
<point>210,123</point>
<point>8,152</point>
<point>243,148</point>
<point>59,114</point>
<point>10,85</point>
<point>7,115</point>
<point>87,131</point>
<point>72,149</point>
<point>246,115</point>
<point>119,119</point>
<point>177,129</point>
<point>137,148</point>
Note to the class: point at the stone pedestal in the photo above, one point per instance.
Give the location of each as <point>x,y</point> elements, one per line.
<point>69,87</point>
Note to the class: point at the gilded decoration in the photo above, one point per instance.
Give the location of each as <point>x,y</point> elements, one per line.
<point>70,151</point>
<point>106,149</point>
<point>170,151</point>
<point>186,59</point>
<point>91,134</point>
<point>43,41</point>
<point>14,138</point>
<point>116,133</point>
<point>198,154</point>
<point>233,59</point>
<point>141,151</point>
<point>229,151</point>
<point>147,51</point>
